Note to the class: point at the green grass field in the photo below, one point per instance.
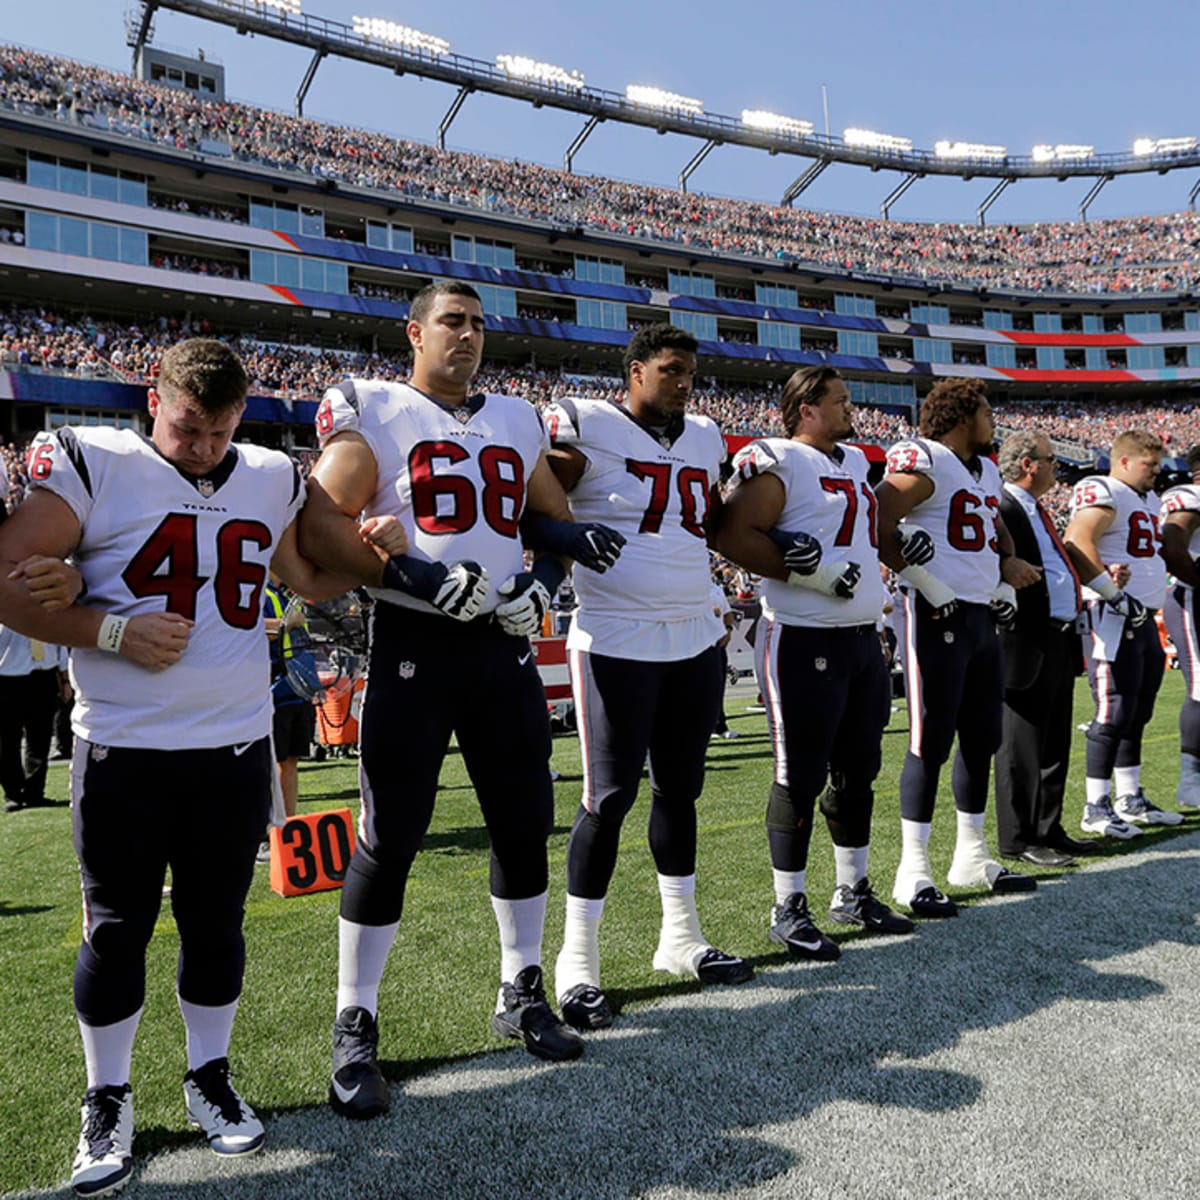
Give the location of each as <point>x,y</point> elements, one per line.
<point>440,986</point>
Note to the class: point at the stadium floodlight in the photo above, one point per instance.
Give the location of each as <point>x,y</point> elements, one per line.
<point>757,118</point>
<point>975,150</point>
<point>381,30</point>
<point>1171,145</point>
<point>1063,152</point>
<point>291,7</point>
<point>520,67</point>
<point>652,97</point>
<point>876,141</point>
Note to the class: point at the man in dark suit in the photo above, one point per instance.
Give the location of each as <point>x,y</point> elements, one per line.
<point>1041,661</point>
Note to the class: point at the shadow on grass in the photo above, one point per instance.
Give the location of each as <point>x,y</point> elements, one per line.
<point>702,1089</point>
<point>23,910</point>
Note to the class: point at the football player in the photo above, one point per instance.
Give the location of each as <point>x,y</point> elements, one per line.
<point>466,475</point>
<point>645,666</point>
<point>802,515</point>
<point>942,485</point>
<point>1180,546</point>
<point>1113,539</point>
<point>173,535</point>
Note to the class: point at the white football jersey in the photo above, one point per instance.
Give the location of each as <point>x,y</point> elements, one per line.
<point>960,515</point>
<point>1184,498</point>
<point>1133,537</point>
<point>655,489</point>
<point>156,540</point>
<point>455,479</point>
<point>829,498</point>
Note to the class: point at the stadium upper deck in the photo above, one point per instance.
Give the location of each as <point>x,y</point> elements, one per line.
<point>135,200</point>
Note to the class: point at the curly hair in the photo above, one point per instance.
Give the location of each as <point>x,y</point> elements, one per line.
<point>206,371</point>
<point>805,386</point>
<point>653,339</point>
<point>950,401</point>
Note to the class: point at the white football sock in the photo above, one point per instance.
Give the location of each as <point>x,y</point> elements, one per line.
<point>787,882</point>
<point>1096,790</point>
<point>209,1029</point>
<point>851,864</point>
<point>970,840</point>
<point>914,851</point>
<point>579,960</point>
<point>521,923</point>
<point>108,1051</point>
<point>362,955</point>
<point>681,945</point>
<point>1127,780</point>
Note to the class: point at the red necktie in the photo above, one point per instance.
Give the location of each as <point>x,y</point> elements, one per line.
<point>1062,550</point>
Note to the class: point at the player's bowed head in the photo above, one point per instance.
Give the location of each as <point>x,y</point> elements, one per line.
<point>957,414</point>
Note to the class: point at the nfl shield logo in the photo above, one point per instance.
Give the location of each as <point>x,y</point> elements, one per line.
<point>99,753</point>
<point>407,670</point>
<point>462,414</point>
<point>949,637</point>
<point>820,664</point>
<point>205,488</point>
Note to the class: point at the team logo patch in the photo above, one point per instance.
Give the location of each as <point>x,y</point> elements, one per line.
<point>99,753</point>
<point>407,670</point>
<point>462,414</point>
<point>949,637</point>
<point>205,488</point>
<point>820,663</point>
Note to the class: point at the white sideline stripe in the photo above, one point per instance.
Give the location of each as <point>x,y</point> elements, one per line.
<point>774,703</point>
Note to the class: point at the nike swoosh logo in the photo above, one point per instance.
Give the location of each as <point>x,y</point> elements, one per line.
<point>345,1094</point>
<point>807,945</point>
<point>524,659</point>
<point>534,1036</point>
<point>240,750</point>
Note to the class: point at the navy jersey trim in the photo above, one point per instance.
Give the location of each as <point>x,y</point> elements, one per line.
<point>346,387</point>
<point>74,451</point>
<point>670,433</point>
<point>571,409</point>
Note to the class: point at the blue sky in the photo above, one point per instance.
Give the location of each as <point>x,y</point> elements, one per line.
<point>1099,72</point>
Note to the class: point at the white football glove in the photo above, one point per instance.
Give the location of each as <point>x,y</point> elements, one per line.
<point>463,591</point>
<point>830,579</point>
<point>527,602</point>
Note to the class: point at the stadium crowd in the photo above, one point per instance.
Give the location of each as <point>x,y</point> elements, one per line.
<point>48,339</point>
<point>1136,254</point>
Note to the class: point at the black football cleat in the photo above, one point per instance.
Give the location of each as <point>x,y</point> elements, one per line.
<point>715,966</point>
<point>358,1088</point>
<point>585,1008</point>
<point>860,906</point>
<point>792,926</point>
<point>1007,883</point>
<point>528,1017</point>
<point>930,905</point>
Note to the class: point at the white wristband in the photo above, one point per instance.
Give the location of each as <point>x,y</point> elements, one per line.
<point>929,585</point>
<point>1103,586</point>
<point>112,633</point>
<point>824,579</point>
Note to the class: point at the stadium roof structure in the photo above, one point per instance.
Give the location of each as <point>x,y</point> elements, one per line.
<point>430,57</point>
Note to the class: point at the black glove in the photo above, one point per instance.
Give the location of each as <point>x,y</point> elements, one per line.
<point>458,590</point>
<point>1134,611</point>
<point>590,544</point>
<point>915,545</point>
<point>801,551</point>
